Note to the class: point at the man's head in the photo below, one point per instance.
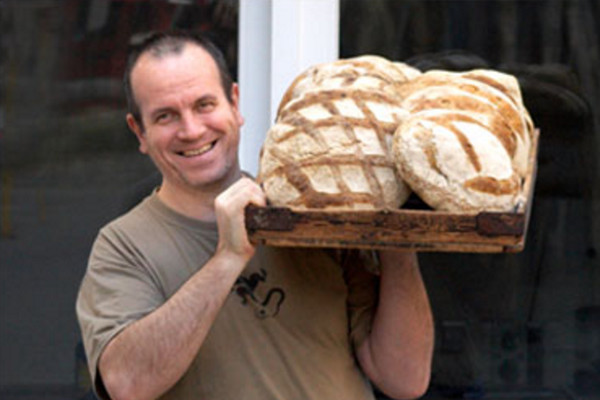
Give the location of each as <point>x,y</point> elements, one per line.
<point>185,113</point>
<point>161,44</point>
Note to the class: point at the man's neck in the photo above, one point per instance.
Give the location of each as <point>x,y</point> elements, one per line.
<point>197,203</point>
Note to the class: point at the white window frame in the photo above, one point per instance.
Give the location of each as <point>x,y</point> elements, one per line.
<point>277,40</point>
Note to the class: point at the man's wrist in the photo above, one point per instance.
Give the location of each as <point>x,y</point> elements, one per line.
<point>397,258</point>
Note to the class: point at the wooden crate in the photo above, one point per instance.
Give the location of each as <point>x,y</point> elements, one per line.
<point>409,229</point>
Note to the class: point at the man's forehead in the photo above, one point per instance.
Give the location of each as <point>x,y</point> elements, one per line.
<point>189,52</point>
<point>192,57</point>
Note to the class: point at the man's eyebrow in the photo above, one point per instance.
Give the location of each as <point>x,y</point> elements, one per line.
<point>205,97</point>
<point>160,110</point>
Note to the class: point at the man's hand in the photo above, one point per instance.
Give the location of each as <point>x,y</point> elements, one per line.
<point>229,209</point>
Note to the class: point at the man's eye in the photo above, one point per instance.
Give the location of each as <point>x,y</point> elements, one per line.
<point>163,118</point>
<point>206,105</point>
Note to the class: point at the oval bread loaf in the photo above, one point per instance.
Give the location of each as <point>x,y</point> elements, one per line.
<point>488,95</point>
<point>465,146</point>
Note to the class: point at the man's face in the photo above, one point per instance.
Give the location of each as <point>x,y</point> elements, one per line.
<point>190,129</point>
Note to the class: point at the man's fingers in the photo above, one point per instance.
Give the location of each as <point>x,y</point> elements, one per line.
<point>257,196</point>
<point>242,193</point>
<point>230,206</point>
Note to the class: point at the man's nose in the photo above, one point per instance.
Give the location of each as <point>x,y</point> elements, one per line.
<point>192,127</point>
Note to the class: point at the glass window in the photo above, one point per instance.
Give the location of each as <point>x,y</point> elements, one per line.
<point>525,325</point>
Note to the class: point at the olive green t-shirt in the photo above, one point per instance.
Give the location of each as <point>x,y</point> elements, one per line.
<point>286,331</point>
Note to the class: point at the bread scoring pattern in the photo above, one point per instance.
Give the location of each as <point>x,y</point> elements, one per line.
<point>330,145</point>
<point>490,96</point>
<point>466,144</point>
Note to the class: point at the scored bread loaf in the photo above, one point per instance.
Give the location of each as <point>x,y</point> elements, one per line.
<point>466,144</point>
<point>490,96</point>
<point>330,147</point>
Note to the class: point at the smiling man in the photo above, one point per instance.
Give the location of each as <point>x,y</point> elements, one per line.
<point>189,125</point>
<point>176,303</point>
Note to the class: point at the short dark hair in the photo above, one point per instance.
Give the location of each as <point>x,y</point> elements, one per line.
<point>171,42</point>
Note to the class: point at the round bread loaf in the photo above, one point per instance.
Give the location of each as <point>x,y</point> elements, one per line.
<point>466,145</point>
<point>330,147</point>
<point>490,96</point>
<point>454,162</point>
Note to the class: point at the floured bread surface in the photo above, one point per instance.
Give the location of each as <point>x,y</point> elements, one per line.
<point>332,162</point>
<point>492,97</point>
<point>466,145</point>
<point>330,147</point>
<point>367,72</point>
<point>454,161</point>
<point>332,179</point>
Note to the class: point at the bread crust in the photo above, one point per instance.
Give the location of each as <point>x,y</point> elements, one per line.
<point>466,145</point>
<point>488,95</point>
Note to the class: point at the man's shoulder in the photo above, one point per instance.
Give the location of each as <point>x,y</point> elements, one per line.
<point>139,217</point>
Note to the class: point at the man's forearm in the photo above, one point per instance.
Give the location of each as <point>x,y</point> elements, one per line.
<point>397,354</point>
<point>150,356</point>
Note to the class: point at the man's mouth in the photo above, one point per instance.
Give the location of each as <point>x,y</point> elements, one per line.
<point>199,151</point>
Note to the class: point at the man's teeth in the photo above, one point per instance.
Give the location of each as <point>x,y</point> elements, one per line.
<point>196,152</point>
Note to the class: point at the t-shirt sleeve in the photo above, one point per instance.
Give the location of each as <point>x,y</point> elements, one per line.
<point>362,294</point>
<point>115,292</point>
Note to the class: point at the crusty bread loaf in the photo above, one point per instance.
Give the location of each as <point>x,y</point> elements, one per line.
<point>361,133</point>
<point>330,145</point>
<point>466,144</point>
<point>488,95</point>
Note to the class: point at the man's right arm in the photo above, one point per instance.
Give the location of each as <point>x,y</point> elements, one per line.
<point>151,355</point>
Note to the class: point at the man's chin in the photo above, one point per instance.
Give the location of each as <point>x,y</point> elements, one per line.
<point>215,182</point>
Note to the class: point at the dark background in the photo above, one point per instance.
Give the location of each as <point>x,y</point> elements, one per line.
<point>523,326</point>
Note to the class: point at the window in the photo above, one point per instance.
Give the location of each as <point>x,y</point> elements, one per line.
<point>524,325</point>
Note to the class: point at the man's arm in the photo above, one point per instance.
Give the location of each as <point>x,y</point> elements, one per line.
<point>397,354</point>
<point>149,356</point>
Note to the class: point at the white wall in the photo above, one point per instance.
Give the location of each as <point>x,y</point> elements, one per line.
<point>278,39</point>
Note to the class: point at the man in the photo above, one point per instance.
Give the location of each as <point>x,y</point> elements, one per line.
<point>178,304</point>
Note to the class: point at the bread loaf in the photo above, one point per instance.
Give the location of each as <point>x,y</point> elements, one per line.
<point>361,133</point>
<point>490,96</point>
<point>466,144</point>
<point>330,147</point>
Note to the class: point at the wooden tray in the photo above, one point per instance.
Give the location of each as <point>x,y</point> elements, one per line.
<point>410,229</point>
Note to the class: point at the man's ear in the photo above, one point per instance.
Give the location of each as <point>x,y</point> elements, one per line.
<point>235,102</point>
<point>138,131</point>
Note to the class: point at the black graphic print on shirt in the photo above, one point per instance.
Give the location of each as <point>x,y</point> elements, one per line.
<point>267,306</point>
